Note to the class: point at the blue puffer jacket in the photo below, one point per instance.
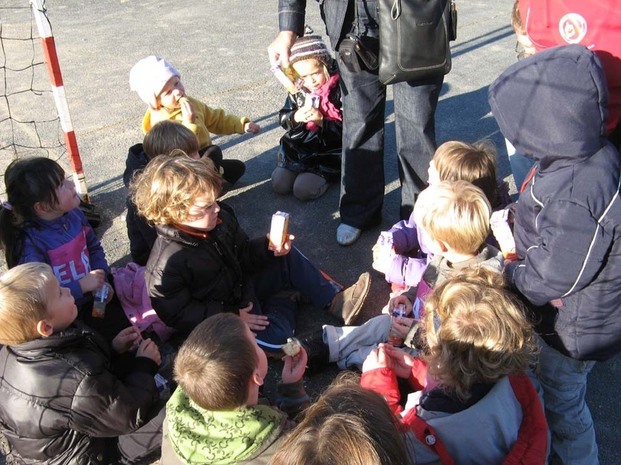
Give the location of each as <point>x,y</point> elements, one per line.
<point>552,107</point>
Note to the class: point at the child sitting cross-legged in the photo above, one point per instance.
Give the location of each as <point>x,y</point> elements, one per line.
<point>203,263</point>
<point>215,416</point>
<point>473,402</point>
<point>453,222</point>
<point>63,399</point>
<point>398,252</point>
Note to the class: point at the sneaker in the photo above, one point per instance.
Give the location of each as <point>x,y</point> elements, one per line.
<point>318,351</point>
<point>233,170</point>
<point>348,303</point>
<point>346,234</point>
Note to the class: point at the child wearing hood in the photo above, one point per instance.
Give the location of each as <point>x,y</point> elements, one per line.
<point>553,108</point>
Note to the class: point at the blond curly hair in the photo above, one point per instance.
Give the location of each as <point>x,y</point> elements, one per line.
<point>476,331</point>
<point>164,192</point>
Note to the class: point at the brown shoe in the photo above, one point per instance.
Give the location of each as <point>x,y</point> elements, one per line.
<point>348,303</point>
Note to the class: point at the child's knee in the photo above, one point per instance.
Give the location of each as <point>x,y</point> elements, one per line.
<point>309,186</point>
<point>283,180</point>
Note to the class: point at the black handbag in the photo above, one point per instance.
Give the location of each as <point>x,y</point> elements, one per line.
<point>414,38</point>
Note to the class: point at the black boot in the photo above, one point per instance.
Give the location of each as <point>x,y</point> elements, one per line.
<point>317,351</point>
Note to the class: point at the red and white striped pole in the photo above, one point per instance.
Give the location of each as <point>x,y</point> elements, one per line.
<point>53,67</point>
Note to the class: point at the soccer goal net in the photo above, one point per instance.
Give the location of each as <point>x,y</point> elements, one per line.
<point>34,116</point>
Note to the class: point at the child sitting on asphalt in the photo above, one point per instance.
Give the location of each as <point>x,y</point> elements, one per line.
<point>347,425</point>
<point>309,156</point>
<point>453,222</point>
<point>163,138</point>
<point>62,397</point>
<point>215,416</point>
<point>473,401</point>
<point>159,85</point>
<point>398,253</point>
<point>42,222</point>
<point>203,263</point>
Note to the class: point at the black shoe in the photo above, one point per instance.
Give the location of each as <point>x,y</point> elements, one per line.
<point>317,351</point>
<point>233,170</point>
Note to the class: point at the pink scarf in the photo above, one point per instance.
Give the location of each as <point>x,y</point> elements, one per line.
<point>326,107</point>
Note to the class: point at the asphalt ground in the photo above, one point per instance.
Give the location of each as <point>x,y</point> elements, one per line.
<point>220,49</point>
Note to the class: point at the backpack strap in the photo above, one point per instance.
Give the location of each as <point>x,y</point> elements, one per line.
<point>428,436</point>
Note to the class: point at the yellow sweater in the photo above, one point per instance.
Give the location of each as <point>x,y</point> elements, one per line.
<point>206,120</point>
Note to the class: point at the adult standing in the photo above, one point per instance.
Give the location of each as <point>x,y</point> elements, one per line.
<point>364,103</point>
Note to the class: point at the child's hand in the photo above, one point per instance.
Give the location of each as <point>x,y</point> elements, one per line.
<point>376,359</point>
<point>400,299</point>
<point>294,367</point>
<point>187,111</point>
<point>92,281</point>
<point>127,339</point>
<point>251,127</point>
<point>401,326</point>
<point>306,114</point>
<point>254,322</point>
<point>148,349</point>
<point>285,248</point>
<point>401,361</point>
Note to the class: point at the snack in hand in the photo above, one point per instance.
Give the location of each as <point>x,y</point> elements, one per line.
<point>279,230</point>
<point>292,347</point>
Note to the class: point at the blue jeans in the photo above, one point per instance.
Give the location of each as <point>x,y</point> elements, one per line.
<point>292,271</point>
<point>520,165</point>
<point>564,382</point>
<point>364,103</point>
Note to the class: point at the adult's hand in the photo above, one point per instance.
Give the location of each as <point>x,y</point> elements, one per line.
<point>280,48</point>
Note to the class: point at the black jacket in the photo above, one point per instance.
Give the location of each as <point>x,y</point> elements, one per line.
<point>303,150</point>
<point>552,108</point>
<point>141,234</point>
<point>191,277</point>
<point>60,400</point>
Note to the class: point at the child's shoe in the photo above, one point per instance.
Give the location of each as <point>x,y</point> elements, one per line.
<point>348,303</point>
<point>317,351</point>
<point>232,170</point>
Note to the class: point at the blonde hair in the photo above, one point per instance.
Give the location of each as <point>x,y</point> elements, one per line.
<point>475,163</point>
<point>215,363</point>
<point>456,213</point>
<point>347,425</point>
<point>168,135</point>
<point>483,333</point>
<point>167,188</point>
<point>23,300</point>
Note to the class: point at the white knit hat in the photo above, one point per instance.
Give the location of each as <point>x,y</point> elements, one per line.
<point>149,76</point>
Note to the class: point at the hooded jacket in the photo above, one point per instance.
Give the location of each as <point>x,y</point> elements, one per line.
<point>552,107</point>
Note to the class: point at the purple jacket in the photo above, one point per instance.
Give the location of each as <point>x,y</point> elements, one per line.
<point>69,245</point>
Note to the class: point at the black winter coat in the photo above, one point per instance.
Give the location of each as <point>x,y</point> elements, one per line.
<point>552,108</point>
<point>302,150</point>
<point>191,277</point>
<point>141,234</point>
<point>60,402</point>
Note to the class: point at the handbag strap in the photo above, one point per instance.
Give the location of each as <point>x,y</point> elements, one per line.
<point>395,11</point>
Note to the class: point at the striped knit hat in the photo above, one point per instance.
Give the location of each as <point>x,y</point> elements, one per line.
<point>309,46</point>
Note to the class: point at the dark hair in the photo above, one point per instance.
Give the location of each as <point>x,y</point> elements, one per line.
<point>348,425</point>
<point>28,181</point>
<point>215,363</point>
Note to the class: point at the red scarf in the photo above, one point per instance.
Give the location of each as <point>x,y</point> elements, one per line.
<point>326,107</point>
